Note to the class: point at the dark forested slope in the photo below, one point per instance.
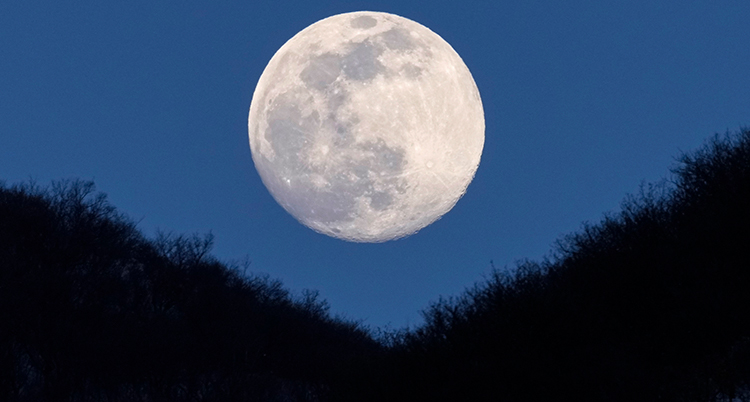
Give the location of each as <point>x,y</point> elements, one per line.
<point>652,303</point>
<point>90,310</point>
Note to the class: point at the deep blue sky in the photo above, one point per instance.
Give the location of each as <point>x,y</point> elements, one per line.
<point>583,101</point>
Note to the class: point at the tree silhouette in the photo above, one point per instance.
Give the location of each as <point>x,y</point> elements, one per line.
<point>651,303</point>
<point>92,310</point>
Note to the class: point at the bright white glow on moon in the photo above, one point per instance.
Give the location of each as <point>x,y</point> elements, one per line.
<point>366,126</point>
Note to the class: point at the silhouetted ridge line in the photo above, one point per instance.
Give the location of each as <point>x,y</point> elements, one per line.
<point>91,310</point>
<point>652,303</point>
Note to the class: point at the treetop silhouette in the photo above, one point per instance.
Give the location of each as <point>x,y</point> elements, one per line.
<point>651,303</point>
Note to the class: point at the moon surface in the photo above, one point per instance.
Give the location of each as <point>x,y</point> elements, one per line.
<point>366,126</point>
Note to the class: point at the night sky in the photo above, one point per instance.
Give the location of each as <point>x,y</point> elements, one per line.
<point>583,100</point>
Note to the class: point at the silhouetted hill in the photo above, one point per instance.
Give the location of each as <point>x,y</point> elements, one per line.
<point>652,303</point>
<point>90,310</point>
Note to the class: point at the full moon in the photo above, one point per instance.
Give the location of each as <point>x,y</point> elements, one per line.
<point>366,126</point>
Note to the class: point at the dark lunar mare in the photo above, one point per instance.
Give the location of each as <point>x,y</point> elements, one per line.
<point>292,134</point>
